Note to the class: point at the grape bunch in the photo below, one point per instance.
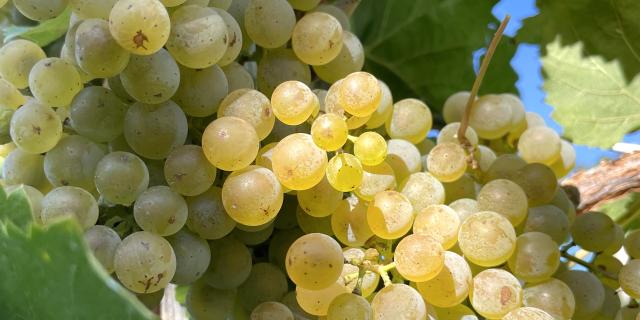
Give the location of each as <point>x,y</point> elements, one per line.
<point>237,147</point>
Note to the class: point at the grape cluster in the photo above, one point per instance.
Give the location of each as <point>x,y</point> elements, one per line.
<point>237,147</point>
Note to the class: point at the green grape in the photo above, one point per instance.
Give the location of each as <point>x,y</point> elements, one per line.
<point>172,3</point>
<point>552,296</point>
<point>464,187</point>
<point>222,4</point>
<point>234,43</point>
<point>286,218</point>
<point>344,172</point>
<point>314,261</point>
<point>54,81</point>
<point>494,293</point>
<point>539,145</point>
<point>384,110</point>
<point>199,36</point>
<point>329,131</point>
<point>610,265</point>
<point>72,162</point>
<point>485,157</point>
<point>423,190</point>
<point>447,161</point>
<point>567,161</point>
<point>156,172</point>
<point>349,60</point>
<point>230,264</point>
<point>17,58</point>
<point>454,106</point>
<point>20,167</point>
<point>192,256</point>
<point>528,313</point>
<point>349,222</point>
<point>450,134</point>
<point>154,130</point>
<point>440,222</point>
<point>390,214</point>
<point>376,179</point>
<point>252,196</point>
<point>298,163</point>
<point>207,216</point>
<point>451,285</point>
<point>201,90</point>
<point>629,278</point>
<point>238,77</point>
<point>279,245</point>
<point>491,116</point>
<point>280,65</point>
<point>5,123</point>
<point>304,5</point>
<point>411,120</point>
<point>403,157</point>
<point>69,202</point>
<point>538,182</point>
<point>370,148</point>
<point>152,78</point>
<point>504,197</point>
<point>617,243</point>
<point>487,238</point>
<point>506,166</point>
<point>103,242</point>
<point>333,105</point>
<point>92,9</point>
<point>121,177</point>
<point>464,208</point>
<point>419,257</point>
<point>610,307</point>
<point>631,244</point>
<point>349,306</point>
<point>34,196</point>
<point>10,96</point>
<point>336,12</point>
<point>310,224</point>
<point>188,172</point>
<point>160,210</point>
<point>97,53</point>
<point>230,133</point>
<point>115,84</point>
<point>320,200</point>
<point>271,310</point>
<point>549,220</point>
<point>317,38</point>
<point>536,257</point>
<point>290,301</point>
<point>398,301</point>
<point>293,102</point>
<point>205,302</point>
<point>593,231</point>
<point>253,237</point>
<point>35,127</point>
<point>40,10</point>
<point>628,313</point>
<point>98,114</point>
<point>251,106</point>
<point>359,94</point>
<point>140,26</point>
<point>587,290</point>
<point>265,283</point>
<point>263,29</point>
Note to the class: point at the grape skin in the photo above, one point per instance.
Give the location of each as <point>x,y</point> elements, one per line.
<point>314,261</point>
<point>230,133</point>
<point>140,26</point>
<point>419,257</point>
<point>54,81</point>
<point>298,163</point>
<point>121,177</point>
<point>160,210</point>
<point>495,293</point>
<point>487,238</point>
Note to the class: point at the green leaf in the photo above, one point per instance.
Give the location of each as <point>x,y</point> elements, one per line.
<point>42,34</point>
<point>49,273</point>
<point>424,48</point>
<point>591,98</point>
<point>624,210</point>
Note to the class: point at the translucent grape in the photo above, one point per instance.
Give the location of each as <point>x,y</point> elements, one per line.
<point>329,131</point>
<point>423,190</point>
<point>230,133</point>
<point>314,261</point>
<point>103,242</point>
<point>504,197</point>
<point>539,145</point>
<point>144,262</point>
<point>587,290</point>
<point>160,210</point>
<point>92,9</point>
<point>376,179</point>
<point>69,202</point>
<point>344,172</point>
<point>271,310</point>
<point>398,301</point>
<point>54,81</point>
<point>486,157</point>
<point>349,222</point>
<point>567,161</point>
<point>527,313</point>
<point>17,57</point>
<point>593,231</point>
<point>538,182</point>
<point>349,60</point>
<point>552,296</point>
<point>349,306</point>
<point>265,283</point>
<point>491,116</point>
<point>98,114</point>
<point>192,256</point>
<point>96,52</point>
<point>207,216</point>
<point>449,133</point>
<point>320,200</point>
<point>464,187</point>
<point>494,293</point>
<point>403,157</point>
<point>251,106</point>
<point>280,65</point>
<point>252,196</point>
<point>447,162</point>
<point>293,102</point>
<point>454,106</point>
<point>121,177</point>
<point>202,301</point>
<point>411,120</point>
<point>464,208</point>
<point>451,285</point>
<point>440,222</point>
<point>371,148</point>
<point>332,104</point>
<point>290,301</point>
<point>188,172</point>
<point>153,131</point>
<point>141,27</point>
<point>549,220</point>
<point>115,84</point>
<point>263,29</point>
<point>390,214</point>
<point>629,278</point>
<point>230,263</point>
<point>238,77</point>
<point>631,244</point>
<point>310,224</point>
<point>384,110</point>
<point>40,10</point>
<point>201,90</point>
<point>487,238</point>
<point>359,94</point>
<point>298,163</point>
<point>317,38</point>
<point>72,162</point>
<point>419,257</point>
<point>20,167</point>
<point>536,257</point>
<point>152,78</point>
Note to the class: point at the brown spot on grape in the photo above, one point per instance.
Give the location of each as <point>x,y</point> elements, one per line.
<point>172,220</point>
<point>505,295</point>
<point>37,130</point>
<point>139,39</point>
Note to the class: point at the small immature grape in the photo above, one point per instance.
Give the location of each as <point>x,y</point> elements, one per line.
<point>447,161</point>
<point>251,106</point>
<point>454,106</point>
<point>230,263</point>
<point>419,257</point>
<point>17,58</point>
<point>593,231</point>
<point>349,222</point>
<point>410,120</point>
<point>192,256</point>
<point>376,179</point>
<point>552,296</point>
<point>91,119</point>
<point>271,310</point>
<point>495,293</point>
<point>69,202</point>
<point>536,257</point>
<point>121,177</point>
<point>140,26</point>
<point>359,94</point>
<point>349,60</point>
<point>440,222</point>
<point>329,131</point>
<point>317,38</point>
<point>504,197</point>
<point>54,81</point>
<point>491,116</point>
<point>293,102</point>
<point>451,285</point>
<point>103,242</point>
<point>151,78</point>
<point>344,172</point>
<point>487,238</point>
<point>160,210</point>
<point>629,278</point>
<point>539,145</point>
<point>262,28</point>
<point>371,148</point>
<point>298,163</point>
<point>207,216</point>
<point>314,261</point>
<point>350,306</point>
<point>35,127</point>
<point>230,133</point>
<point>423,190</point>
<point>390,214</point>
<point>399,302</point>
<point>320,200</point>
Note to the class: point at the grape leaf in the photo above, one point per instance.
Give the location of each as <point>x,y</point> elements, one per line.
<point>625,209</point>
<point>43,33</point>
<point>591,98</point>
<point>424,48</point>
<point>48,273</point>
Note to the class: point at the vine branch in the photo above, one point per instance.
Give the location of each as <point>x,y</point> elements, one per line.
<point>589,266</point>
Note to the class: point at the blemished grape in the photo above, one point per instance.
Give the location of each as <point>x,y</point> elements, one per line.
<point>419,257</point>
<point>188,172</point>
<point>403,157</point>
<point>536,257</point>
<point>631,243</point>
<point>423,190</point>
<point>151,78</point>
<point>539,145</point>
<point>549,220</point>
<point>96,52</point>
<point>329,131</point>
<point>344,172</point>
<point>265,283</point>
<point>314,261</point>
<point>280,65</point>
<point>447,161</point>
<point>610,265</point>
<point>629,278</point>
<point>262,28</point>
<point>160,210</point>
<point>371,148</point>
<point>103,242</point>
<point>271,310</point>
<point>359,94</point>
<point>451,285</point>
<point>349,222</point>
<point>593,231</point>
<point>230,263</point>
<point>398,301</point>
<point>527,313</point>
<point>192,256</point>
<point>495,292</point>
<point>293,102</point>
<point>54,81</point>
<point>121,177</point>
<point>504,197</point>
<point>201,90</point>
<point>35,127</point>
<point>92,9</point>
<point>552,296</point>
<point>349,60</point>
<point>440,222</point>
<point>453,107</point>
<point>203,300</point>
<point>17,58</point>
<point>140,27</point>
<point>237,77</point>
<point>390,214</point>
<point>349,306</point>
<point>230,133</point>
<point>491,116</point>
<point>487,238</point>
<point>298,163</point>
<point>251,106</point>
<point>20,167</point>
<point>98,114</point>
<point>411,120</point>
<point>320,200</point>
<point>317,38</point>
<point>40,10</point>
<point>207,216</point>
<point>376,179</point>
<point>234,41</point>
<point>73,162</point>
<point>144,262</point>
<point>69,202</point>
<point>587,290</point>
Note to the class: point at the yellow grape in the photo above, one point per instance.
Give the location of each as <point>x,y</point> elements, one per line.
<point>440,222</point>
<point>539,145</point>
<point>329,131</point>
<point>629,278</point>
<point>277,66</point>
<point>333,105</point>
<point>451,285</point>
<point>12,98</point>
<point>349,306</point>
<point>458,312</point>
<point>449,133</point>
<point>293,102</point>
<point>552,296</point>
<point>536,257</point>
<point>265,154</point>
<point>316,302</point>
<point>375,179</point>
<point>298,163</point>
<point>410,120</point>
<point>403,157</point>
<point>398,302</point>
<point>350,59</point>
<point>390,214</point>
<point>447,161</point>
<point>359,94</point>
<point>384,109</point>
<point>504,197</point>
<point>453,107</point>
<point>54,81</point>
<point>464,208</point>
<point>423,190</point>
<point>251,106</point>
<point>17,58</point>
<point>317,38</point>
<point>487,239</point>
<point>349,222</point>
<point>230,133</point>
<point>320,200</point>
<point>419,257</point>
<point>494,293</point>
<point>485,157</point>
<point>371,148</point>
<point>611,265</point>
<point>140,26</point>
<point>314,261</point>
<point>491,116</point>
<point>344,172</point>
<point>527,313</point>
<point>567,161</point>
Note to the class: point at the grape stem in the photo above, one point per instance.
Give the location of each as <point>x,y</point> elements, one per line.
<point>587,265</point>
<point>464,123</point>
<point>383,271</point>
